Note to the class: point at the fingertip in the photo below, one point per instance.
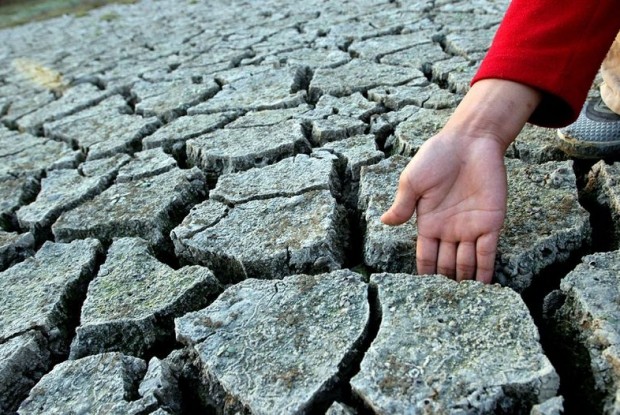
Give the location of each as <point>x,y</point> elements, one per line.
<point>484,277</point>
<point>486,249</point>
<point>446,259</point>
<point>465,261</point>
<point>426,255</point>
<point>392,218</point>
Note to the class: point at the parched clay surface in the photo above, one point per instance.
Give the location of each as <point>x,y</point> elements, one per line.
<point>40,298</point>
<point>141,208</point>
<point>232,150</point>
<point>385,248</point>
<point>262,344</point>
<point>101,384</point>
<point>39,291</point>
<point>534,234</point>
<point>131,303</point>
<point>445,347</point>
<point>584,316</point>
<point>226,164</point>
<point>104,130</point>
<point>267,238</point>
<point>14,247</point>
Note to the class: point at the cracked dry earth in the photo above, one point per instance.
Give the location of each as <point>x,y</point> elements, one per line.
<point>189,221</point>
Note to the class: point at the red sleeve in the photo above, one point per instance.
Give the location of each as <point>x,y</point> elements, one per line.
<point>556,47</point>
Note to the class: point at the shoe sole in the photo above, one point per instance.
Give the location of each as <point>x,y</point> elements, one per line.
<point>587,150</point>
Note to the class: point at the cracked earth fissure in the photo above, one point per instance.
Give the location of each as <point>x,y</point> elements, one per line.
<point>274,72</point>
<point>347,395</point>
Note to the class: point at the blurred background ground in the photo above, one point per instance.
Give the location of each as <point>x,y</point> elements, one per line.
<point>16,12</point>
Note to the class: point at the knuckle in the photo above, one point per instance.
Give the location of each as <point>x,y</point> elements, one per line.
<point>485,252</point>
<point>426,262</point>
<point>465,269</point>
<point>486,268</point>
<point>447,271</point>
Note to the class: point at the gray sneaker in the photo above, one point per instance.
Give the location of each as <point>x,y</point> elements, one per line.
<point>595,134</point>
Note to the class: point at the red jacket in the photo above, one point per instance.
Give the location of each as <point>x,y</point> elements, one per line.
<point>556,47</point>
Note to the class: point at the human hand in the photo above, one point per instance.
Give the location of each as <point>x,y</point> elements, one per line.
<point>456,183</point>
<point>459,194</point>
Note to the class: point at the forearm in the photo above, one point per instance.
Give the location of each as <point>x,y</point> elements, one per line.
<point>494,108</point>
<point>555,48</point>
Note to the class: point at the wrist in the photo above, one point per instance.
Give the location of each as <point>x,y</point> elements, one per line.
<point>496,109</point>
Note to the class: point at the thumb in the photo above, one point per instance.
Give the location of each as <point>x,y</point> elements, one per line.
<point>404,204</point>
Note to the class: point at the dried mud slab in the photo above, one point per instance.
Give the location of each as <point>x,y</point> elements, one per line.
<point>266,118</point>
<point>45,155</point>
<point>264,238</point>
<point>161,382</point>
<point>181,129</point>
<point>103,130</point>
<point>14,247</point>
<point>238,149</point>
<point>147,163</point>
<point>456,73</point>
<point>603,184</point>
<point>352,106</point>
<point>308,57</point>
<point>358,76</point>
<point>552,406</point>
<point>72,100</point>
<point>130,306</point>
<point>145,208</point>
<point>544,223</point>
<point>385,248</point>
<point>269,89</point>
<point>336,127</point>
<point>40,298</point>
<point>390,20</point>
<point>469,43</point>
<point>26,155</point>
<point>261,345</point>
<point>374,49</point>
<point>107,167</point>
<point>583,316</point>
<point>417,92</point>
<point>415,130</point>
<point>289,177</point>
<point>103,384</point>
<point>457,18</point>
<point>354,153</point>
<point>536,145</point>
<point>40,290</point>
<point>14,142</point>
<point>339,409</point>
<point>21,104</point>
<point>169,100</point>
<point>15,191</point>
<point>421,57</point>
<point>61,190</point>
<point>383,125</point>
<point>23,360</point>
<point>447,347</point>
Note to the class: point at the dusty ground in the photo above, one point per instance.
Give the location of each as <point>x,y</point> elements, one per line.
<point>189,204</point>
